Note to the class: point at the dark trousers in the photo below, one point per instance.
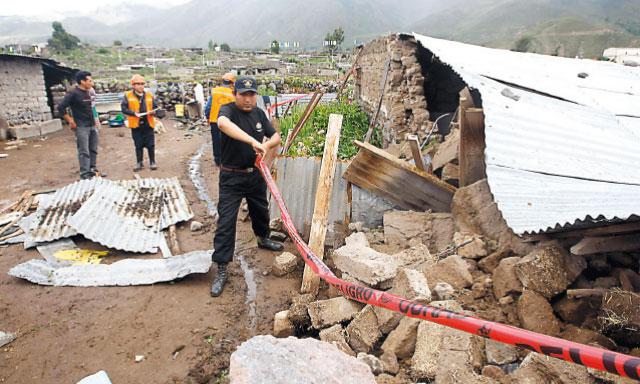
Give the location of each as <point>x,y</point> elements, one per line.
<point>233,187</point>
<point>215,140</point>
<point>144,137</point>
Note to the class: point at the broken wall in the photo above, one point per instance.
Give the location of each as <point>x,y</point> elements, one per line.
<point>404,106</point>
<point>23,96</point>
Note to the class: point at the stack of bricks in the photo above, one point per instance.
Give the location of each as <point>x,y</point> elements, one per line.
<point>23,97</point>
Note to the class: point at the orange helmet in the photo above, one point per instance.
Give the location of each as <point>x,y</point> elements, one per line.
<point>137,79</point>
<point>230,77</point>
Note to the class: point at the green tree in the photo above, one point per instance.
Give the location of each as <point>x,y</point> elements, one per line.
<point>210,45</point>
<point>225,47</point>
<point>334,39</point>
<point>117,43</point>
<point>523,44</point>
<point>61,40</point>
<point>275,47</point>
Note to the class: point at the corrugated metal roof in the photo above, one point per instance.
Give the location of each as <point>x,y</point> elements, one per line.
<point>122,217</point>
<point>552,162</point>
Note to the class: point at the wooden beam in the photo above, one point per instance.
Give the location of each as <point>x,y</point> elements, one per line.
<point>414,144</point>
<point>383,86</point>
<point>447,151</point>
<point>612,229</point>
<point>591,245</point>
<point>311,281</point>
<point>471,155</point>
<point>398,181</point>
<point>291,136</point>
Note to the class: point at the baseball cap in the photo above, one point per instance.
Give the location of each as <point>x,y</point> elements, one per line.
<point>246,84</point>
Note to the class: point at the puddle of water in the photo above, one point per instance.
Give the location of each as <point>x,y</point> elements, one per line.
<point>195,174</point>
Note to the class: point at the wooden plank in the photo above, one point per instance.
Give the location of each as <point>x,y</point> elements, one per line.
<point>311,281</point>
<point>612,229</point>
<point>174,245</point>
<point>471,154</point>
<point>414,144</point>
<point>400,182</point>
<point>592,245</point>
<point>447,151</point>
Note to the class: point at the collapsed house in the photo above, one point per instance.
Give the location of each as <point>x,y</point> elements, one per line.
<point>30,89</point>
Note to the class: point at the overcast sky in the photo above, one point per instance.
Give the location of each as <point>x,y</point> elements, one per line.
<point>48,9</point>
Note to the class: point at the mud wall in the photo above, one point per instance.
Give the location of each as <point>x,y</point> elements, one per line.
<point>23,98</point>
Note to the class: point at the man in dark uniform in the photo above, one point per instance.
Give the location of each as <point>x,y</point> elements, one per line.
<point>244,132</point>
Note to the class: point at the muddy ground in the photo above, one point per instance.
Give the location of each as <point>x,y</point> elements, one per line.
<point>66,333</point>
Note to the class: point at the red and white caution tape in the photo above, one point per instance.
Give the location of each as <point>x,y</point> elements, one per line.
<point>586,355</point>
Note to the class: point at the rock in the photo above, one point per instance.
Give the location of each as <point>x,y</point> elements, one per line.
<point>325,313</point>
<point>575,311</point>
<point>475,211</point>
<point>373,362</point>
<point>505,281</point>
<point>299,310</point>
<point>402,340</point>
<point>410,284</point>
<point>495,373</point>
<point>356,227</point>
<point>452,270</point>
<point>357,239</point>
<point>284,263</point>
<point>606,282</point>
<point>537,368</point>
<point>336,335</point>
<point>401,226</point>
<point>278,236</point>
<point>444,291</point>
<point>6,338</point>
<point>442,230</point>
<point>363,332</point>
<point>536,314</point>
<point>388,379</point>
<point>390,362</point>
<point>500,353</point>
<point>549,270</point>
<point>587,336</point>
<point>196,226</point>
<point>491,262</point>
<point>365,264</point>
<point>606,377</point>
<point>265,359</point>
<point>282,326</point>
<point>475,248</point>
<point>415,256</point>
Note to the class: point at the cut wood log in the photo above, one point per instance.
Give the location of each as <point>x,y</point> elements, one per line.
<point>591,245</point>
<point>310,281</point>
<point>398,181</point>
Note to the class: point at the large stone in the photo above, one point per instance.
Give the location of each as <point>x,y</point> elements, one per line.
<point>415,256</point>
<point>410,284</point>
<point>337,336</point>
<point>363,332</point>
<point>390,362</point>
<point>537,368</point>
<point>444,291</point>
<point>500,353</point>
<point>284,263</point>
<point>535,314</point>
<point>491,262</point>
<point>265,359</point>
<point>505,281</point>
<point>549,270</point>
<point>474,247</point>
<point>373,362</point>
<point>475,211</point>
<point>401,226</point>
<point>325,313</point>
<point>452,270</point>
<point>587,336</point>
<point>282,326</point>
<point>365,264</point>
<point>357,239</point>
<point>442,230</point>
<point>299,310</point>
<point>402,340</point>
<point>576,310</point>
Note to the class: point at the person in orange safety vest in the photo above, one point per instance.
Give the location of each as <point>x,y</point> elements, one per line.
<point>220,96</point>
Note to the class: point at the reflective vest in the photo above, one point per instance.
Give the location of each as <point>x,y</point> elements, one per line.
<point>134,105</point>
<point>219,97</point>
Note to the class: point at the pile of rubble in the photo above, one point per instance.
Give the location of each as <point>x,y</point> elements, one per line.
<point>470,262</point>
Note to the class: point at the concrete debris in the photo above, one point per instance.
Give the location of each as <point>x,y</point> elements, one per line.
<point>390,362</point>
<point>490,263</point>
<point>121,273</point>
<point>6,338</point>
<point>415,256</point>
<point>500,353</point>
<point>401,226</point>
<point>325,313</point>
<point>195,226</point>
<point>505,281</point>
<point>402,340</point>
<point>444,291</point>
<point>97,378</point>
<point>337,335</point>
<point>365,264</point>
<point>537,368</point>
<point>453,270</point>
<point>363,332</point>
<point>442,231</point>
<point>470,246</point>
<point>284,263</point>
<point>265,359</point>
<point>535,314</point>
<point>410,284</point>
<point>357,239</point>
<point>299,310</point>
<point>373,362</point>
<point>358,226</point>
<point>549,270</point>
<point>282,326</point>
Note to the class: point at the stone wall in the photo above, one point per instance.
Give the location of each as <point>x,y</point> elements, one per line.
<point>23,99</point>
<point>404,107</point>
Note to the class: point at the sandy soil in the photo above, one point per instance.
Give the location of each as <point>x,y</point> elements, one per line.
<point>65,333</point>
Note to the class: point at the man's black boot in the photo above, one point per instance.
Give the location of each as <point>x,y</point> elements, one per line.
<point>221,278</point>
<point>267,243</point>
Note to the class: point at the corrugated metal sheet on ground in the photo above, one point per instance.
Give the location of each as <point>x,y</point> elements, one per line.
<point>176,206</point>
<point>53,211</point>
<point>119,217</point>
<point>552,163</point>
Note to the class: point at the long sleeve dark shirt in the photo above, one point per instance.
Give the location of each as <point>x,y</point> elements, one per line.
<point>79,102</point>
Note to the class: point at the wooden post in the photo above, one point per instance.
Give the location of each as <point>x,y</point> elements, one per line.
<point>310,281</point>
<point>471,155</point>
<point>417,154</point>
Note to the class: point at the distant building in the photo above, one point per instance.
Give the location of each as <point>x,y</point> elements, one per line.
<point>626,56</point>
